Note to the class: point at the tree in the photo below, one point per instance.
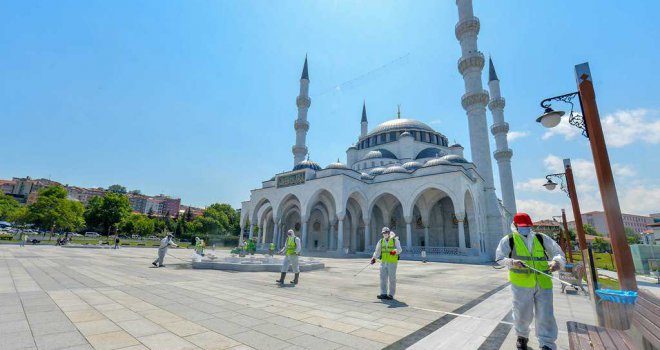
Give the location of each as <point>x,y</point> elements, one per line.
<point>600,245</point>
<point>108,211</point>
<point>53,211</point>
<point>189,215</point>
<point>135,192</point>
<point>117,189</point>
<point>8,207</point>
<point>590,230</point>
<point>150,213</point>
<point>137,224</point>
<point>632,236</point>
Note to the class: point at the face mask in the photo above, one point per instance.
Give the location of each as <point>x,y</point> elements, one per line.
<point>524,230</point>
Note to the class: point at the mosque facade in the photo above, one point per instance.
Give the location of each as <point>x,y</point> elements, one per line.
<point>402,174</point>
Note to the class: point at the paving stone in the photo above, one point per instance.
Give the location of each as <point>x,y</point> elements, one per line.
<point>184,328</point>
<point>84,316</point>
<point>20,340</point>
<point>97,327</point>
<point>141,327</point>
<point>59,340</point>
<point>112,340</point>
<point>260,341</point>
<point>212,341</point>
<point>6,328</point>
<point>166,341</point>
<point>311,342</point>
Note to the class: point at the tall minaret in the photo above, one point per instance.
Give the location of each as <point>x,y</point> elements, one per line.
<point>474,102</point>
<point>500,129</point>
<point>364,124</point>
<point>301,125</point>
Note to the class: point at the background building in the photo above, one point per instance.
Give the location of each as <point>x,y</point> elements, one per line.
<point>597,220</point>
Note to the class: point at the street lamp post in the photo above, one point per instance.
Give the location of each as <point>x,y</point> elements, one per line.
<point>591,127</point>
<point>568,235</point>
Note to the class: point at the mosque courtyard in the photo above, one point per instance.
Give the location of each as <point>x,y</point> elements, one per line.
<point>74,298</point>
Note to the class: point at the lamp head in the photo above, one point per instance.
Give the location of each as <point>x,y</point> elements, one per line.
<point>550,118</point>
<point>550,185</point>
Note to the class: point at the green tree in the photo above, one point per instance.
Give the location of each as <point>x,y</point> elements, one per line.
<point>53,211</point>
<point>107,211</point>
<point>189,215</point>
<point>136,192</point>
<point>600,245</point>
<point>150,213</point>
<point>137,224</point>
<point>632,236</point>
<point>590,230</point>
<point>117,189</point>
<point>8,207</point>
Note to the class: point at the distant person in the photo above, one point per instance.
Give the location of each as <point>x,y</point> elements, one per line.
<point>271,249</point>
<point>291,249</point>
<point>116,242</point>
<point>388,250</point>
<point>24,238</point>
<point>165,243</point>
<point>524,251</point>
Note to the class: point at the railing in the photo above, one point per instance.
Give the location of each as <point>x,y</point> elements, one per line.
<point>456,251</point>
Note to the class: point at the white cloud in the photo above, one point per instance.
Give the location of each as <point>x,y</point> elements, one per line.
<point>623,170</point>
<point>531,185</point>
<point>627,126</point>
<point>641,200</point>
<point>564,129</point>
<point>514,135</point>
<point>435,122</point>
<point>538,210</point>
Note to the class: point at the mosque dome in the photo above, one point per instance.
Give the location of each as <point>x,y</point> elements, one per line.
<point>307,164</point>
<point>400,124</point>
<point>379,153</point>
<point>395,169</point>
<point>365,176</point>
<point>430,152</point>
<point>412,165</point>
<point>376,171</point>
<point>455,159</point>
<point>337,165</point>
<point>437,161</point>
<point>405,133</point>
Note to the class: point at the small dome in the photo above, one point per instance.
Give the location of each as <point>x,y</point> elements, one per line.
<point>395,169</point>
<point>456,145</point>
<point>430,152</point>
<point>337,165</point>
<point>405,133</point>
<point>437,161</point>
<point>307,164</point>
<point>412,165</point>
<point>379,153</point>
<point>365,176</point>
<point>455,159</point>
<point>376,171</point>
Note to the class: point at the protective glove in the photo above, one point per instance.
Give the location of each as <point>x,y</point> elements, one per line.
<point>518,263</point>
<point>393,252</point>
<point>373,261</point>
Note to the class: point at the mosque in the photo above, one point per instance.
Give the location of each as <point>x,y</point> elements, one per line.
<point>402,174</point>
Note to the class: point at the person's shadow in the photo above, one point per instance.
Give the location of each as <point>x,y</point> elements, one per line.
<point>393,303</point>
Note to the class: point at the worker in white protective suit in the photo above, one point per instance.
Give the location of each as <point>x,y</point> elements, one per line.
<point>521,251</point>
<point>387,250</point>
<point>165,243</point>
<point>291,251</point>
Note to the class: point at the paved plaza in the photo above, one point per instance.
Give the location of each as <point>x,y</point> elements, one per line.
<point>57,298</point>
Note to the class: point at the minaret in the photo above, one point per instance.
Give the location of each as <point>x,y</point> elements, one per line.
<point>474,102</point>
<point>500,129</point>
<point>364,123</point>
<point>301,125</point>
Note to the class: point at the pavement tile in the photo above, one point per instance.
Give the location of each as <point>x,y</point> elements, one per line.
<point>6,328</point>
<point>20,340</point>
<point>46,317</point>
<point>184,328</point>
<point>141,327</point>
<point>212,341</point>
<point>166,341</point>
<point>112,340</point>
<point>260,341</point>
<point>311,342</point>
<point>97,327</point>
<point>223,327</point>
<point>58,341</point>
<point>84,316</point>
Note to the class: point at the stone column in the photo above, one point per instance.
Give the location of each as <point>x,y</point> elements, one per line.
<point>367,235</point>
<point>331,237</point>
<point>340,235</point>
<point>251,233</point>
<point>304,235</point>
<point>408,220</point>
<point>461,234</point>
<point>276,235</point>
<point>260,235</point>
<point>353,244</point>
<point>426,237</point>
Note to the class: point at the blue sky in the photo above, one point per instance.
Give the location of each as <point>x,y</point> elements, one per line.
<point>197,98</point>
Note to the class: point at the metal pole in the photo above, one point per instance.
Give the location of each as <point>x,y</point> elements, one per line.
<point>624,263</point>
<point>567,236</point>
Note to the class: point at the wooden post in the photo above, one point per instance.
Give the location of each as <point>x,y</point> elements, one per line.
<point>624,263</point>
<point>567,236</point>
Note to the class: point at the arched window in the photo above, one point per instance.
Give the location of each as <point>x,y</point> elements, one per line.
<point>382,163</point>
<point>393,136</point>
<point>373,164</point>
<point>382,138</point>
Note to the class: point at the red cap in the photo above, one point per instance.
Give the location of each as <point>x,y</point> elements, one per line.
<point>522,220</point>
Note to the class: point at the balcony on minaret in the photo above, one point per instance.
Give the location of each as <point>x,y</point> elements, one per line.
<point>499,128</point>
<point>467,26</point>
<point>471,100</point>
<point>301,124</point>
<point>503,154</point>
<point>496,103</point>
<point>474,60</point>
